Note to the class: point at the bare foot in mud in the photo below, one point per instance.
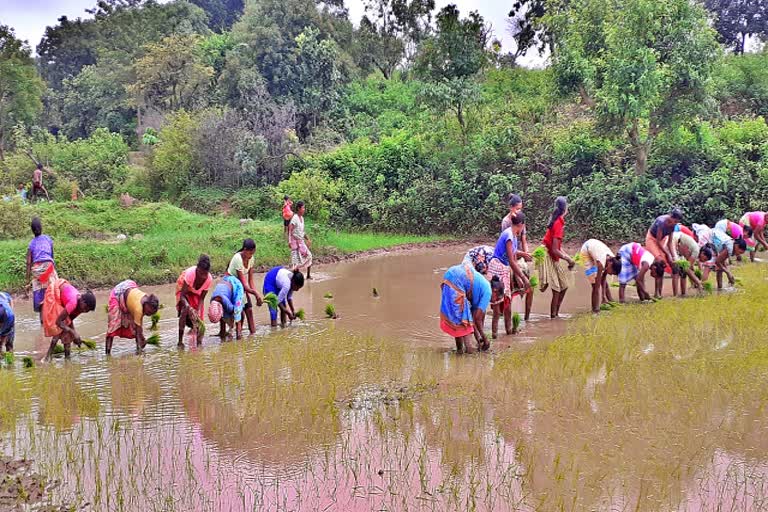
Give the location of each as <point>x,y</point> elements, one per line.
<point>495,335</point>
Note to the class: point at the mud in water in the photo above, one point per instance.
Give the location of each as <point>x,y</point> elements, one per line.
<point>372,411</point>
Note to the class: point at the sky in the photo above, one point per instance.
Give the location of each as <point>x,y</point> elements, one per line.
<point>30,17</point>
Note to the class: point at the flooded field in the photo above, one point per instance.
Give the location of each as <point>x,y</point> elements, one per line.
<point>649,407</point>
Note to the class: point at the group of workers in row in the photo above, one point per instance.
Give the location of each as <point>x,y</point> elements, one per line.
<point>491,276</point>
<point>59,303</point>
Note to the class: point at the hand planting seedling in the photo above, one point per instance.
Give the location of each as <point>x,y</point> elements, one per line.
<point>707,286</point>
<point>300,314</point>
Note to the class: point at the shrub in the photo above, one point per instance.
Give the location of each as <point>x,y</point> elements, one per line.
<point>14,220</point>
<point>173,161</point>
<point>316,189</point>
<point>257,203</point>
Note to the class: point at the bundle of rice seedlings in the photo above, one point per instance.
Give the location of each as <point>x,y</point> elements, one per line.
<point>89,343</point>
<point>9,359</point>
<point>534,281</point>
<point>328,295</point>
<point>301,315</point>
<point>683,264</point>
<point>58,349</point>
<point>708,287</point>
<point>154,340</point>
<point>200,328</point>
<point>330,310</point>
<point>271,300</point>
<point>155,320</point>
<point>577,258</point>
<point>27,362</point>
<point>606,306</point>
<point>516,320</point>
<point>539,254</point>
<point>698,273</point>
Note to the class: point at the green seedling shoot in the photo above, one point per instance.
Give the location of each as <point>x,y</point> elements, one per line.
<point>539,254</point>
<point>301,315</point>
<point>516,320</point>
<point>154,340</point>
<point>28,362</point>
<point>271,300</point>
<point>155,321</point>
<point>330,311</point>
<point>328,295</point>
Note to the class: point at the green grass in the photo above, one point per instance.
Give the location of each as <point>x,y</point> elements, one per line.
<point>162,241</point>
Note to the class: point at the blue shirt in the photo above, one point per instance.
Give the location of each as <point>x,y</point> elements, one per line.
<point>6,327</point>
<point>481,291</point>
<point>501,246</point>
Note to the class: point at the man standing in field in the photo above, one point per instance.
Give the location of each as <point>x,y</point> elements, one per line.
<point>37,183</point>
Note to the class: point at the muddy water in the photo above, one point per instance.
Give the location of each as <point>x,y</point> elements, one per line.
<point>368,412</point>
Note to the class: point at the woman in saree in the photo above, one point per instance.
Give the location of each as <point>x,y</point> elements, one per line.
<point>127,307</point>
<point>241,267</point>
<point>191,289</point>
<point>299,242</point>
<point>466,294</point>
<point>40,264</point>
<point>62,304</point>
<point>555,270</point>
<point>226,308</point>
<point>504,265</point>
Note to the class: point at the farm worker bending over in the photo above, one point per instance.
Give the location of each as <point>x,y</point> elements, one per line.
<point>126,310</point>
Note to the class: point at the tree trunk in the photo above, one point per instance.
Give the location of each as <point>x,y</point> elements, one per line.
<point>586,99</point>
<point>642,147</point>
<point>641,158</point>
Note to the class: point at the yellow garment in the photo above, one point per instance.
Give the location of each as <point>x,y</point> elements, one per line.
<point>133,303</point>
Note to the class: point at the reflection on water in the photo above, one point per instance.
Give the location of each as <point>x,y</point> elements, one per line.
<point>373,411</point>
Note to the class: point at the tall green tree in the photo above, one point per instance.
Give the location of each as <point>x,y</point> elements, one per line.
<point>222,14</point>
<point>450,59</point>
<point>172,75</point>
<point>21,88</point>
<point>390,27</point>
<point>644,65</point>
<point>738,20</point>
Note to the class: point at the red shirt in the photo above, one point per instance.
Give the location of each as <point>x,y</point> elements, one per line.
<point>287,213</point>
<point>556,231</point>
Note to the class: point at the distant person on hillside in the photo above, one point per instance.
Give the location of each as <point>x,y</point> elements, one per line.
<point>241,267</point>
<point>595,255</point>
<point>226,308</point>
<point>191,288</point>
<point>659,243</point>
<point>21,193</point>
<point>62,305</point>
<point>555,271</point>
<point>7,322</point>
<point>283,282</point>
<point>41,269</point>
<point>466,294</point>
<point>633,262</point>
<point>125,312</point>
<point>37,183</point>
<point>299,242</point>
<point>287,213</point>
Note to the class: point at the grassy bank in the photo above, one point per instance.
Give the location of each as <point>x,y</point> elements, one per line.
<point>161,241</point>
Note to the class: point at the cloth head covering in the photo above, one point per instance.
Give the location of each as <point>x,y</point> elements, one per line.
<point>215,312</point>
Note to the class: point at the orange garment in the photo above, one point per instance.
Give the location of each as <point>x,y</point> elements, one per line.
<point>52,307</point>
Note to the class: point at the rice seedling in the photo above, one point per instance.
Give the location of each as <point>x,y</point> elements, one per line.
<point>27,362</point>
<point>375,292</point>
<point>155,321</point>
<point>698,273</point>
<point>683,264</point>
<point>534,280</point>
<point>89,343</point>
<point>328,295</point>
<point>707,286</point>
<point>200,328</point>
<point>330,311</point>
<point>301,314</point>
<point>271,300</point>
<point>539,254</point>
<point>516,321</point>
<point>577,258</point>
<point>9,359</point>
<point>154,340</point>
<point>605,306</point>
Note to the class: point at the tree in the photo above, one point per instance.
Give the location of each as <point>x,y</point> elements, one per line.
<point>319,79</point>
<point>172,75</point>
<point>390,27</point>
<point>643,64</point>
<point>21,88</point>
<point>222,14</point>
<point>451,58</point>
<point>737,20</point>
<point>65,49</point>
<point>526,25</point>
